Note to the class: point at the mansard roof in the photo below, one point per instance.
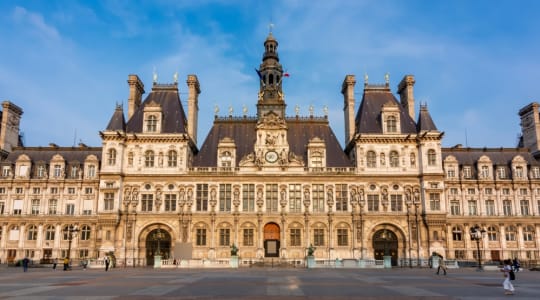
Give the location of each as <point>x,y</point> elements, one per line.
<point>117,121</point>
<point>368,117</point>
<point>174,117</point>
<point>45,154</point>
<point>498,156</point>
<point>243,130</point>
<point>425,122</point>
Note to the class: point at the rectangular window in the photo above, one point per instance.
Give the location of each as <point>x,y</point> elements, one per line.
<point>318,237</point>
<point>83,253</point>
<point>295,239</point>
<point>17,206</point>
<point>317,196</point>
<point>35,206</point>
<point>435,201</point>
<point>2,208</point>
<point>271,197</point>
<point>506,191</point>
<point>19,191</point>
<point>467,173</point>
<point>2,190</point>
<point>202,197</point>
<point>501,172</point>
<point>54,190</point>
<point>295,198</point>
<point>248,237</point>
<point>454,208</point>
<point>224,236</point>
<point>488,191</point>
<point>170,202</point>
<point>225,197</point>
<point>473,209</point>
<point>147,202</point>
<point>471,191</point>
<point>373,202</point>
<point>70,209</point>
<point>396,202</point>
<point>342,237</point>
<point>451,173</point>
<point>524,204</point>
<point>453,191</point>
<point>523,192</point>
<point>6,171</point>
<point>248,197</point>
<point>57,171</point>
<point>201,237</point>
<point>88,190</point>
<point>341,197</point>
<point>53,206</point>
<point>459,254</point>
<point>507,207</point>
<point>490,207</point>
<point>71,191</point>
<point>36,191</point>
<point>108,201</point>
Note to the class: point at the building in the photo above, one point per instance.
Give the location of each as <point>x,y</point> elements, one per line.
<point>270,184</point>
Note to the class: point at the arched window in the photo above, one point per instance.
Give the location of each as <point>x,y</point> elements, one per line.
<point>371,159</point>
<point>172,158</point>
<point>519,172</point>
<point>510,233</point>
<point>91,171</point>
<point>394,159</point>
<point>484,171</point>
<point>226,159</point>
<point>528,233</point>
<point>149,158</point>
<point>492,233</point>
<point>85,233</point>
<point>49,233</point>
<point>111,157</point>
<point>32,233</point>
<point>432,157</point>
<point>151,123</point>
<point>457,234</point>
<point>317,159</point>
<point>391,124</point>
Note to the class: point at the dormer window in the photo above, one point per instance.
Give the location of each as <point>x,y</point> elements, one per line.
<point>226,159</point>
<point>151,123</point>
<point>40,171</point>
<point>484,171</point>
<point>519,172</point>
<point>57,170</point>
<point>317,160</point>
<point>501,172</point>
<point>391,125</point>
<point>467,172</point>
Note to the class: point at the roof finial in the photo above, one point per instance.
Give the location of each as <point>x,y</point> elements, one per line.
<point>365,78</point>
<point>175,77</point>
<point>387,78</point>
<point>270,27</point>
<point>154,76</point>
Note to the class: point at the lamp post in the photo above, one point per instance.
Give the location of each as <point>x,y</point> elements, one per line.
<point>157,256</point>
<point>71,230</point>
<point>477,234</point>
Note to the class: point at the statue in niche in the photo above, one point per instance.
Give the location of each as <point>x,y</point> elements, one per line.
<point>383,159</point>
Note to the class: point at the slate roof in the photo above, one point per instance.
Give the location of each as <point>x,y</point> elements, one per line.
<point>45,154</point>
<point>368,117</point>
<point>174,117</point>
<point>498,156</point>
<point>425,122</point>
<point>117,121</point>
<point>243,132</point>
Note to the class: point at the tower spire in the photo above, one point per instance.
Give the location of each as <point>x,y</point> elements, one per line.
<point>270,73</point>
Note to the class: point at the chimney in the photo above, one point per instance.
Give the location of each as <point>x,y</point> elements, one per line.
<point>406,94</point>
<point>194,90</point>
<point>136,90</point>
<point>530,127</point>
<point>347,89</point>
<point>9,128</point>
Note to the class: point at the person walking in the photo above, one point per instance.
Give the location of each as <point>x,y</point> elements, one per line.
<point>516,265</point>
<point>107,263</point>
<point>66,263</point>
<point>507,285</point>
<point>25,263</point>
<point>442,265</point>
<point>54,263</point>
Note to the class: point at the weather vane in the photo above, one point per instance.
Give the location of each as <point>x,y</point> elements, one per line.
<point>154,76</point>
<point>270,27</point>
<point>175,77</point>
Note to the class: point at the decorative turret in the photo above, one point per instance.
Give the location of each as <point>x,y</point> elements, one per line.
<point>270,74</point>
<point>9,127</point>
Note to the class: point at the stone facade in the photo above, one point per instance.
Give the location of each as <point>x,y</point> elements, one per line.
<point>270,184</point>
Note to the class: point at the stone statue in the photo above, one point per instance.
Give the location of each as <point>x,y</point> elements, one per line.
<point>311,250</point>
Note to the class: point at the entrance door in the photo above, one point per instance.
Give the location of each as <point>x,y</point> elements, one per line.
<point>271,240</point>
<point>158,242</point>
<point>385,243</point>
<point>495,255</point>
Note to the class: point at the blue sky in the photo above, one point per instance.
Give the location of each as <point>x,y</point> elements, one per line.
<point>66,63</point>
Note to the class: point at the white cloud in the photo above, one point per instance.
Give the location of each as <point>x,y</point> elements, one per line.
<point>37,23</point>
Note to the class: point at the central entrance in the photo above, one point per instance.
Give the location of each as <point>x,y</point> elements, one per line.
<point>158,242</point>
<point>271,240</point>
<point>385,243</point>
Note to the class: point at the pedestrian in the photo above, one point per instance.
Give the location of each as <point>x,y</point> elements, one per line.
<point>507,285</point>
<point>54,263</point>
<point>516,264</point>
<point>66,263</point>
<point>107,262</point>
<point>442,265</point>
<point>25,262</point>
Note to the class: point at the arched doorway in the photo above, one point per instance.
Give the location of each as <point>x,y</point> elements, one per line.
<point>158,242</point>
<point>271,240</point>
<point>385,243</point>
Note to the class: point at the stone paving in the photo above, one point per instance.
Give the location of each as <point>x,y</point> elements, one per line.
<point>261,283</point>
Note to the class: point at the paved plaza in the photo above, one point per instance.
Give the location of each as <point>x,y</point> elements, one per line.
<point>261,283</point>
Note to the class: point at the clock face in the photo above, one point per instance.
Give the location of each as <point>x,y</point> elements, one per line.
<point>271,156</point>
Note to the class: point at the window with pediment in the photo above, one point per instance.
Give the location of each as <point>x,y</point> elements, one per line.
<point>391,124</point>
<point>149,158</point>
<point>151,123</point>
